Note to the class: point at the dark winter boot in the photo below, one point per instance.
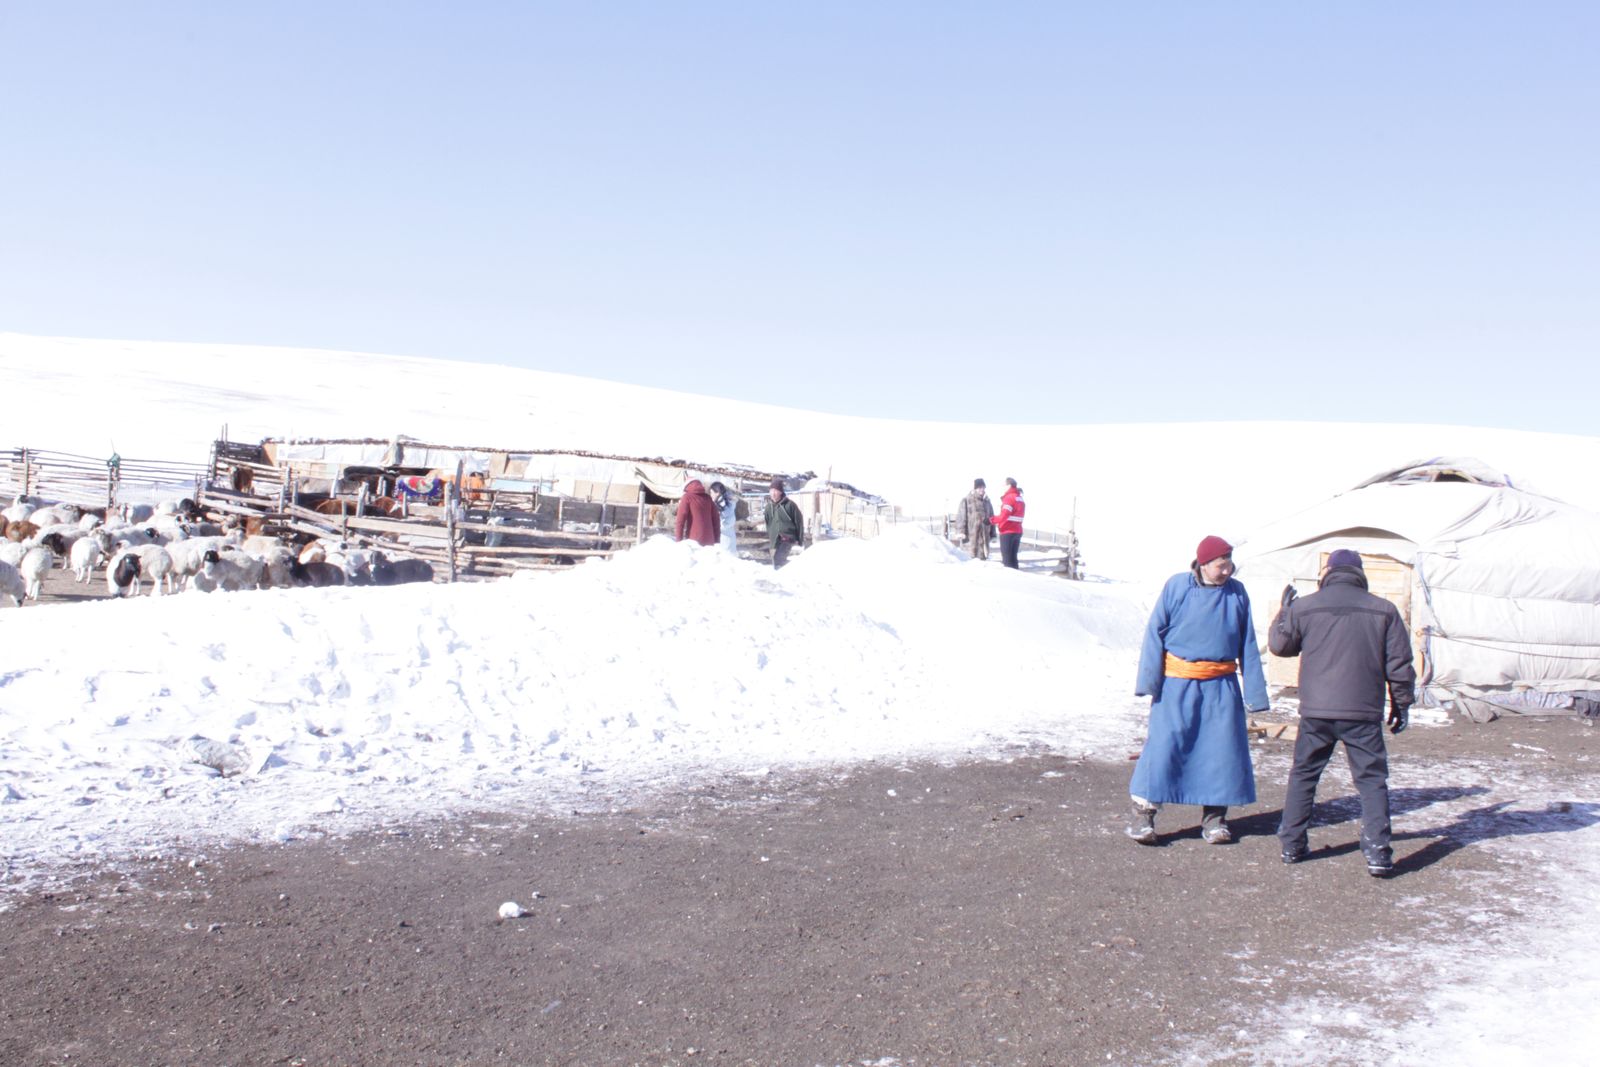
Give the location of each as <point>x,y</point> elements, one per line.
<point>1380,862</point>
<point>1213,831</point>
<point>1143,827</point>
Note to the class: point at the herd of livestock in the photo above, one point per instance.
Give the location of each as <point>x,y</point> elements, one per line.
<point>173,547</point>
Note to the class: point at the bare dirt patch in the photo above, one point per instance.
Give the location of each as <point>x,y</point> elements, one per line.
<point>989,913</point>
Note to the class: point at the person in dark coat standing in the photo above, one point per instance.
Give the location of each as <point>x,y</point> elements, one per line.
<point>1009,521</point>
<point>697,515</point>
<point>1199,646</point>
<point>1352,646</point>
<point>786,527</point>
<point>975,520</point>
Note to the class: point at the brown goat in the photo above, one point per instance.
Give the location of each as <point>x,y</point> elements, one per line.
<point>20,531</point>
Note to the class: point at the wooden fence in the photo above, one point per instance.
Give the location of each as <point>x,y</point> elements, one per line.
<point>96,483</point>
<point>1048,550</point>
<point>455,533</point>
<point>458,536</point>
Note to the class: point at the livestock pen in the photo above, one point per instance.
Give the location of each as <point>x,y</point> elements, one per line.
<point>473,512</point>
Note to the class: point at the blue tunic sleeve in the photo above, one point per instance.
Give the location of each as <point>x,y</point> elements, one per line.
<point>1153,652</point>
<point>1255,680</point>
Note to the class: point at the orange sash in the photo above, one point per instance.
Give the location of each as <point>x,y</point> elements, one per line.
<point>1202,668</point>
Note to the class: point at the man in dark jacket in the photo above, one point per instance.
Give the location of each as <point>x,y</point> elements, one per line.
<point>698,518</point>
<point>1351,646</point>
<point>786,527</point>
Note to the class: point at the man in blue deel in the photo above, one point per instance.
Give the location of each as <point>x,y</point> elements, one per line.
<point>1200,638</point>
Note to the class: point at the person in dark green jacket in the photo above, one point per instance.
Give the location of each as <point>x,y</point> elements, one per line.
<point>786,527</point>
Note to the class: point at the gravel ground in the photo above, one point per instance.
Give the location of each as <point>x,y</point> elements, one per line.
<point>981,913</point>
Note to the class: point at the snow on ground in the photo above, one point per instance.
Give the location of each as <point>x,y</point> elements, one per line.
<point>1519,990</point>
<point>277,714</point>
<point>129,727</point>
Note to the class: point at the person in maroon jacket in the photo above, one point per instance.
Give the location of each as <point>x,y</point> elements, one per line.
<point>1010,522</point>
<point>697,515</point>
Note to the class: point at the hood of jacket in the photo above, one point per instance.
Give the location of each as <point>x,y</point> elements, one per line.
<point>1344,576</point>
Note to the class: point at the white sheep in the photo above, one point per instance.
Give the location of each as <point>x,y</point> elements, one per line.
<point>155,563</point>
<point>12,552</point>
<point>127,570</point>
<point>280,568</point>
<point>57,515</point>
<point>228,571</point>
<point>357,563</point>
<point>276,555</point>
<point>259,545</point>
<point>59,536</point>
<point>89,552</point>
<point>128,536</point>
<point>189,554</point>
<point>36,563</point>
<point>20,509</point>
<point>11,584</point>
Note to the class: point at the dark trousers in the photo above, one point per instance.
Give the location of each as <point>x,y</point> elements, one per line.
<point>1009,543</point>
<point>780,552</point>
<point>1369,766</point>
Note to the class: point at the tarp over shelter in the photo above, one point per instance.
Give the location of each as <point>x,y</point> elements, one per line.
<point>1500,585</point>
<point>588,475</point>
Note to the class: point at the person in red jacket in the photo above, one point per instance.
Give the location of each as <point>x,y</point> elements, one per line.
<point>697,515</point>
<point>1009,520</point>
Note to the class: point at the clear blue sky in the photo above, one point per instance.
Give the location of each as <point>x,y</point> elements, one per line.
<point>1033,212</point>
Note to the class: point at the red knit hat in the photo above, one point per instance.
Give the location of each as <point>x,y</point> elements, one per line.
<point>1210,548</point>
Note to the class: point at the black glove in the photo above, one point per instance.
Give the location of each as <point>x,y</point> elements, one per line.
<point>1399,719</point>
<point>1288,596</point>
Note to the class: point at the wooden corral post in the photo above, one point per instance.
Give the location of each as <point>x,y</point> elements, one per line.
<point>599,527</point>
<point>833,503</point>
<point>450,534</point>
<point>450,514</point>
<point>638,520</point>
<point>26,472</point>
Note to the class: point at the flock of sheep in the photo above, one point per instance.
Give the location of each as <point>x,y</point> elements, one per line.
<point>174,547</point>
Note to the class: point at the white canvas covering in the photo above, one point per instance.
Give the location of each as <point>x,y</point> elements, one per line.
<point>1504,583</point>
